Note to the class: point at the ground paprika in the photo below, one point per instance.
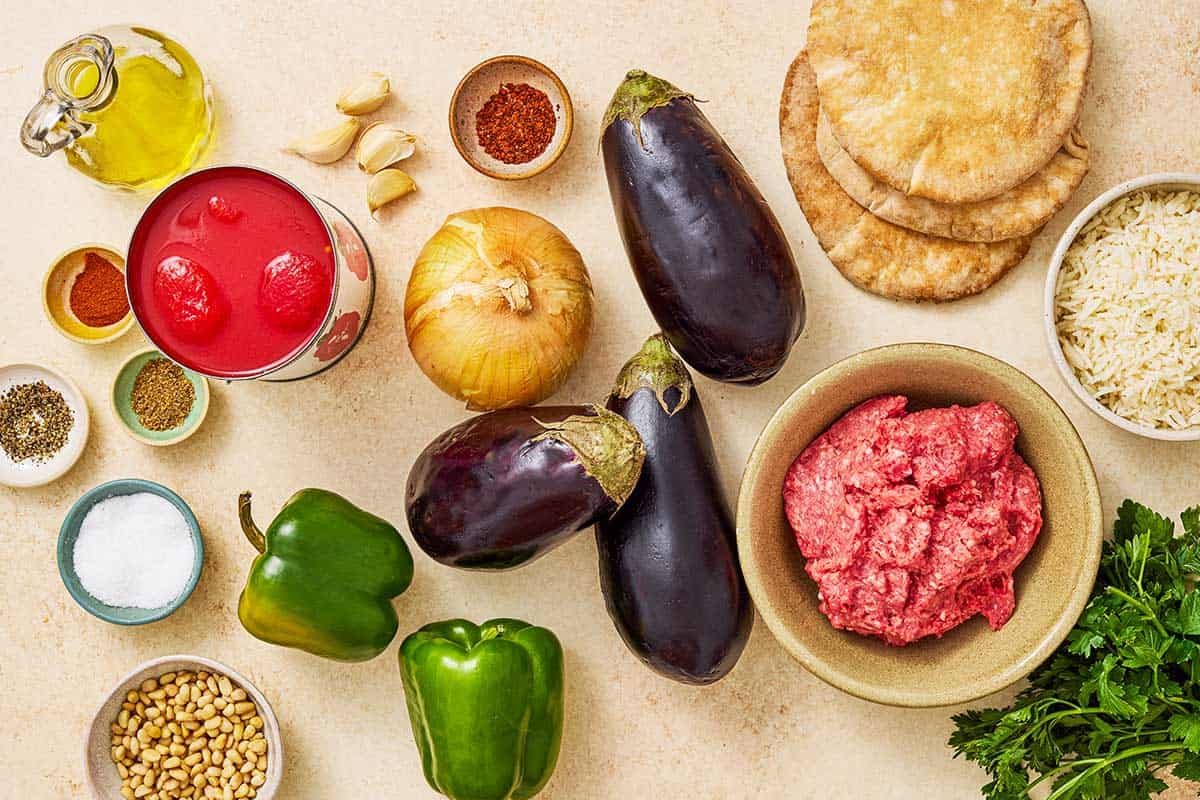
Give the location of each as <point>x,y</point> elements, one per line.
<point>98,296</point>
<point>516,124</point>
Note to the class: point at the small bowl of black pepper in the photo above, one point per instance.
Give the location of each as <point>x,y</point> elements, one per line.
<point>157,401</point>
<point>511,117</point>
<point>43,424</point>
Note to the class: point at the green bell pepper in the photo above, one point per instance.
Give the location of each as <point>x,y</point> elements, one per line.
<point>486,706</point>
<point>325,577</point>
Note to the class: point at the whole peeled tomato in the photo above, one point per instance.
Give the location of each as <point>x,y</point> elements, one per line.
<point>294,291</point>
<point>498,308</point>
<point>193,304</point>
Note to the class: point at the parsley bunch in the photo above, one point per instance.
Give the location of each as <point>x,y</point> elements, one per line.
<point>1120,699</point>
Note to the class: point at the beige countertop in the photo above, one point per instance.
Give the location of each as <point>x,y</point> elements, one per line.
<point>769,730</point>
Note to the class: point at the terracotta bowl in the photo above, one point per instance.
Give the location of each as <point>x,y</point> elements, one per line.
<point>1053,583</point>
<point>102,777</point>
<point>479,85</point>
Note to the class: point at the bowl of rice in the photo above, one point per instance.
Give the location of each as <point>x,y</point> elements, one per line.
<point>1122,312</point>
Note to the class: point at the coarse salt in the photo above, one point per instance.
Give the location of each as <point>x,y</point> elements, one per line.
<point>134,551</point>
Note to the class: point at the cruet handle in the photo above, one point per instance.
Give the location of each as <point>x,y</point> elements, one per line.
<point>52,125</point>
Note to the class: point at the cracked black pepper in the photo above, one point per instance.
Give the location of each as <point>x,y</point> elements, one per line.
<point>35,422</point>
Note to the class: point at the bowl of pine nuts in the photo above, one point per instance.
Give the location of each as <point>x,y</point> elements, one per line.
<point>184,728</point>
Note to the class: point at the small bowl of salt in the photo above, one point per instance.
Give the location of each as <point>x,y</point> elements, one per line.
<point>130,551</point>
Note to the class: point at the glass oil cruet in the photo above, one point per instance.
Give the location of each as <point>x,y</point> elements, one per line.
<point>129,106</point>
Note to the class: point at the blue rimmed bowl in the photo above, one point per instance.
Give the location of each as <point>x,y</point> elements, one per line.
<point>69,532</point>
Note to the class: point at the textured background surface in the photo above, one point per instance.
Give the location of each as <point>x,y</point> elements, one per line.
<point>769,730</point>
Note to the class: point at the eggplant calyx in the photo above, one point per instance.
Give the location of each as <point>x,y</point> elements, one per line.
<point>656,368</point>
<point>637,94</point>
<point>607,446</point>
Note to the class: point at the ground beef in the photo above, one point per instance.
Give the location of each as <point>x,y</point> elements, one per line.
<point>911,524</point>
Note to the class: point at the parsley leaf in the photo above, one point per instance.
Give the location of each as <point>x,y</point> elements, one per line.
<point>1119,702</point>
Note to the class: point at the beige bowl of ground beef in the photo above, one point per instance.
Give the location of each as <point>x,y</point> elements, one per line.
<point>1052,579</point>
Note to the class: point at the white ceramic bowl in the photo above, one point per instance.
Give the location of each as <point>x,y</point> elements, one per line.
<point>1161,180</point>
<point>27,473</point>
<point>102,775</point>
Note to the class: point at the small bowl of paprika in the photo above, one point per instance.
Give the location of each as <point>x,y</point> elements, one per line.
<point>511,118</point>
<point>84,295</point>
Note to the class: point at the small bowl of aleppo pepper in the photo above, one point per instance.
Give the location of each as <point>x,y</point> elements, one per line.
<point>158,402</point>
<point>511,118</point>
<point>936,509</point>
<point>83,294</point>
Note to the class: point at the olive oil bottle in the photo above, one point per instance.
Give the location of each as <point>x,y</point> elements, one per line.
<point>129,106</point>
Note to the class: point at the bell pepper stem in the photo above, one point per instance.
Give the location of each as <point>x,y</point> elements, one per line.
<point>248,527</point>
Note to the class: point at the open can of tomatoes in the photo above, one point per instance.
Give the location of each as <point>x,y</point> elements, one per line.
<point>235,273</point>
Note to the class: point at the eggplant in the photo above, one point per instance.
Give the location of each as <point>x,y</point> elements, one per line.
<point>709,255</point>
<point>668,558</point>
<point>504,488</point>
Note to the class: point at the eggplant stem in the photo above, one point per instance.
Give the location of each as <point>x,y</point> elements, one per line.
<point>656,368</point>
<point>248,527</point>
<point>607,447</point>
<point>638,93</point>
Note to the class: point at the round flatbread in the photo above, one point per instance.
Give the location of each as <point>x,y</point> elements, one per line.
<point>876,255</point>
<point>1021,210</point>
<point>951,100</point>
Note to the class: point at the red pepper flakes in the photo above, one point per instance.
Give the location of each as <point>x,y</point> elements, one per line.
<point>516,124</point>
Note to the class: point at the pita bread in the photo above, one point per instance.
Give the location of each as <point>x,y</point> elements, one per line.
<point>1021,210</point>
<point>876,255</point>
<point>951,100</point>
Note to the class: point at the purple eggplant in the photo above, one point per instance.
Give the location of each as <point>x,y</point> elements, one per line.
<point>668,558</point>
<point>709,255</point>
<point>505,487</point>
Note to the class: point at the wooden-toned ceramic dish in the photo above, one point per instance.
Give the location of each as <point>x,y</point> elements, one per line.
<point>37,473</point>
<point>122,402</point>
<point>56,290</point>
<point>102,777</point>
<point>1052,584</point>
<point>1162,181</point>
<point>483,81</point>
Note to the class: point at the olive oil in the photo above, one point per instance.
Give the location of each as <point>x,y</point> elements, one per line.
<point>133,108</point>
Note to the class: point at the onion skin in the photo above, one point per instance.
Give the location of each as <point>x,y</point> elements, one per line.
<point>498,308</point>
<point>668,558</point>
<point>506,487</point>
<point>709,255</point>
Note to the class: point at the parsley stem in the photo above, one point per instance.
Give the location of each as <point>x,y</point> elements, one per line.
<point>1098,765</point>
<point>1150,616</point>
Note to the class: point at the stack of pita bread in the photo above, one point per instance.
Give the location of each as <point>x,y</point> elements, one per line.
<point>928,141</point>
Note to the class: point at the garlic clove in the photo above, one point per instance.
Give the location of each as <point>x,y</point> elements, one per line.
<point>367,96</point>
<point>388,185</point>
<point>382,145</point>
<point>329,145</point>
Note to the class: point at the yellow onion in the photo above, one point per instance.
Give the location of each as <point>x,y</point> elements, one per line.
<point>499,308</point>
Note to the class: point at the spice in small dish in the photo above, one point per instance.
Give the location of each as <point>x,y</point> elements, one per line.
<point>97,297</point>
<point>134,551</point>
<point>162,396</point>
<point>1126,303</point>
<point>516,124</point>
<point>35,422</point>
<point>189,735</point>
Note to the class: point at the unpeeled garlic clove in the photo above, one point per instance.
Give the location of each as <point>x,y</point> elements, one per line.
<point>329,145</point>
<point>388,185</point>
<point>382,145</point>
<point>367,96</point>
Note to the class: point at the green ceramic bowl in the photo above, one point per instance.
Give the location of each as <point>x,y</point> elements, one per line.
<point>122,391</point>
<point>69,532</point>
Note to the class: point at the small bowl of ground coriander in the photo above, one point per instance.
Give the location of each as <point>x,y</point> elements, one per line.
<point>157,401</point>
<point>84,295</point>
<point>511,117</point>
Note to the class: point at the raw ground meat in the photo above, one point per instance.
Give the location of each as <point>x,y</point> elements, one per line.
<point>913,523</point>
